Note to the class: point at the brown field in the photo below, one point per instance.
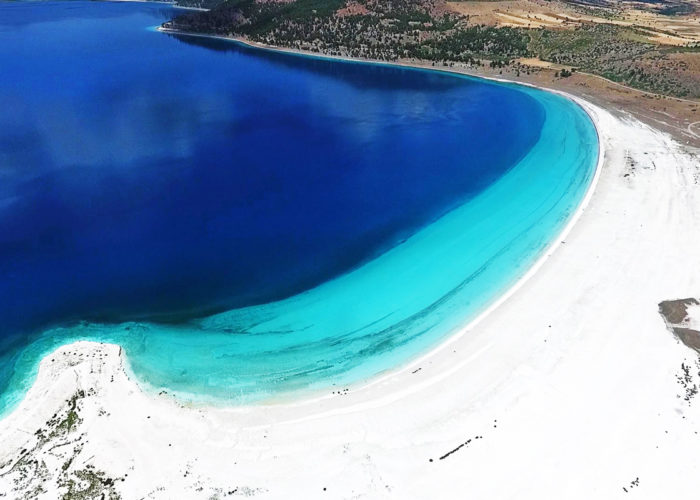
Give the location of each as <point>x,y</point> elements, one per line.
<point>657,28</point>
<point>352,9</point>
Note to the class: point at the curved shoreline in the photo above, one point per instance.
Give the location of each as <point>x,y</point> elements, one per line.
<point>453,337</point>
<point>311,395</point>
<point>572,385</point>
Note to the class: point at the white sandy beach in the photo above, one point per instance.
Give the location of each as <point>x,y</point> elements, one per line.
<point>569,389</point>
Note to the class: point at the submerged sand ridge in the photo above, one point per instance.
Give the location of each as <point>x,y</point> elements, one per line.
<point>570,389</point>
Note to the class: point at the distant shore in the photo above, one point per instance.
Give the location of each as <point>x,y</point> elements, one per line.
<point>162,2</point>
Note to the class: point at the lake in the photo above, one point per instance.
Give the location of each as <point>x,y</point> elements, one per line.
<point>250,225</point>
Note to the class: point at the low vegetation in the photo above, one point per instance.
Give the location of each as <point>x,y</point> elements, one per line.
<point>33,472</point>
<point>619,54</point>
<point>378,30</point>
<point>427,30</point>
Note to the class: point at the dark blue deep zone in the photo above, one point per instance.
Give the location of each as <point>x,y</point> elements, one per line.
<point>150,176</point>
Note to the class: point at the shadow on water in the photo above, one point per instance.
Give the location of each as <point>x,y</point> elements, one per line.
<point>358,74</point>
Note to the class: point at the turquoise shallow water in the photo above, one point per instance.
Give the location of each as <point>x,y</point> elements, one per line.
<point>394,303</point>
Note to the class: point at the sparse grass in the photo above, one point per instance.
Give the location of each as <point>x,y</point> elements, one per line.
<point>88,484</point>
<point>619,54</point>
<point>417,29</point>
<point>29,473</point>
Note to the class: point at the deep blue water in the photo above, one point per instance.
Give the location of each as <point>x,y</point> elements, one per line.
<point>146,177</point>
<point>158,178</point>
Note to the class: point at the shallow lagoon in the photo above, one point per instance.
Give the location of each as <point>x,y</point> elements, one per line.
<point>248,224</point>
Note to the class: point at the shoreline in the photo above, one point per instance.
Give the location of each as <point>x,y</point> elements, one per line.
<point>556,242</point>
<point>310,396</point>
